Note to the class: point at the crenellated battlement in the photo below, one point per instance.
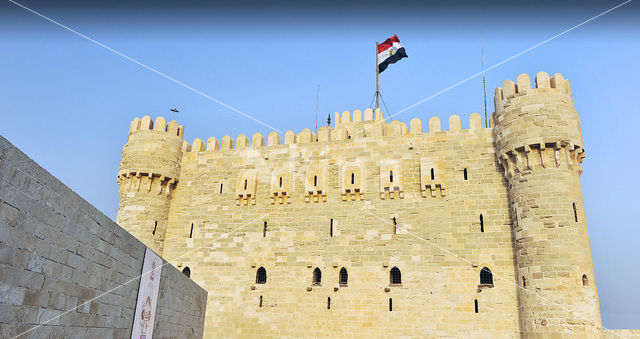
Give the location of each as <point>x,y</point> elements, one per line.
<point>145,124</point>
<point>522,86</point>
<point>344,130</point>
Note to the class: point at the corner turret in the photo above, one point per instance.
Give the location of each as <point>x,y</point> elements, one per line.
<point>149,171</point>
<point>539,145</point>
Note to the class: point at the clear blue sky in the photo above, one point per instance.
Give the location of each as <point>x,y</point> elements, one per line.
<point>67,102</point>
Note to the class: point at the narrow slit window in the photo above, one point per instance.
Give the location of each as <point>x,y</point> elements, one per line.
<point>191,232</point>
<point>353,178</point>
<point>315,180</point>
<point>395,276</point>
<point>524,282</point>
<point>390,304</point>
<point>475,304</point>
<point>187,271</point>
<point>280,182</point>
<point>155,226</point>
<point>317,276</point>
<point>465,174</point>
<point>486,277</point>
<point>585,280</point>
<point>390,176</point>
<point>395,226</point>
<point>264,230</point>
<point>433,174</point>
<point>260,305</point>
<point>261,276</point>
<point>329,303</point>
<point>575,212</point>
<point>344,277</point>
<point>245,184</point>
<point>481,223</point>
<point>331,228</point>
<point>221,184</point>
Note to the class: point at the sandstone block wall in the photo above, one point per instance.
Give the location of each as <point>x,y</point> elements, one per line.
<point>329,221</point>
<point>58,252</point>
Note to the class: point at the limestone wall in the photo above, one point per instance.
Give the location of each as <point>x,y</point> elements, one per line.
<point>303,187</point>
<point>57,252</point>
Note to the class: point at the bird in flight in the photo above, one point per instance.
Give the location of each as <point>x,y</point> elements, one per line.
<point>174,110</point>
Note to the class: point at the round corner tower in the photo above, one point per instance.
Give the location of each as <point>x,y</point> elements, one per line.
<point>539,145</point>
<point>149,171</point>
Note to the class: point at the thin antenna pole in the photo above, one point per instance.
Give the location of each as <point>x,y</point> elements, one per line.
<point>377,81</point>
<point>484,86</point>
<point>317,101</point>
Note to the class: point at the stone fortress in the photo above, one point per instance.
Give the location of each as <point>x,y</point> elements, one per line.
<point>376,229</point>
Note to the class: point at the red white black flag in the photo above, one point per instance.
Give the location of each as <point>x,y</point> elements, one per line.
<point>389,52</point>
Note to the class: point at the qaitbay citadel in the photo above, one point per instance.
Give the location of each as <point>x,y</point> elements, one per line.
<point>370,228</point>
<point>364,229</point>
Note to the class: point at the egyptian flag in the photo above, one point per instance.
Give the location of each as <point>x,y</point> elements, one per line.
<point>389,52</point>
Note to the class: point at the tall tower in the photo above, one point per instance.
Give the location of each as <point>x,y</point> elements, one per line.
<point>539,144</point>
<point>149,171</point>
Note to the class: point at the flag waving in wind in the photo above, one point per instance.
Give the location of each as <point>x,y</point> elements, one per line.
<point>389,52</point>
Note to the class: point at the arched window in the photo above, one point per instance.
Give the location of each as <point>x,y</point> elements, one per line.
<point>187,271</point>
<point>261,276</point>
<point>245,184</point>
<point>317,276</point>
<point>395,276</point>
<point>433,174</point>
<point>353,178</point>
<point>390,176</point>
<point>486,277</point>
<point>315,180</point>
<point>481,223</point>
<point>344,277</point>
<point>585,280</point>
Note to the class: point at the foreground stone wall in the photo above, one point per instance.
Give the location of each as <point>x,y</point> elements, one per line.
<point>67,267</point>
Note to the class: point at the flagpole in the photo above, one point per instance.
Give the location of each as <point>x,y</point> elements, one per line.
<point>484,86</point>
<point>377,81</point>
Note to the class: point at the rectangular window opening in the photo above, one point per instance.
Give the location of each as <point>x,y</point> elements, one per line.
<point>331,229</point>
<point>475,302</point>
<point>390,304</point>
<point>328,303</point>
<point>575,212</point>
